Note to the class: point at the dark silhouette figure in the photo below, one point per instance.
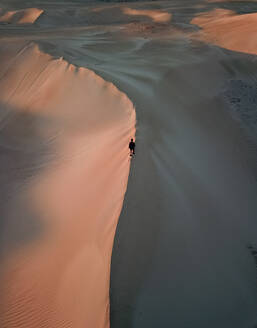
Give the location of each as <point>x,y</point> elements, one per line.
<point>132,146</point>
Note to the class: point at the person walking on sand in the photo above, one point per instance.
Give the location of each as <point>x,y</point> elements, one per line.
<point>132,146</point>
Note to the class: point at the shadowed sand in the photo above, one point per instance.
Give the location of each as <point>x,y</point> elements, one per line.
<point>26,16</point>
<point>181,256</point>
<point>59,275</point>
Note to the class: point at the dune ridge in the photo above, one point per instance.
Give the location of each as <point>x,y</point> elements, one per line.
<point>24,16</point>
<point>60,277</point>
<point>228,30</point>
<point>157,16</point>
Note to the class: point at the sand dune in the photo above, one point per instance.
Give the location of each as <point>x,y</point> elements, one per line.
<point>181,256</point>
<point>229,30</point>
<point>156,15</point>
<point>105,15</point>
<point>59,275</point>
<point>26,16</point>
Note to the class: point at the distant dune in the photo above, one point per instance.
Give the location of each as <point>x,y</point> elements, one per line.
<point>26,16</point>
<point>156,15</point>
<point>229,30</point>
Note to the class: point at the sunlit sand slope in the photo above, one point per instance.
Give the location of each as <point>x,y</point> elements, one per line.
<point>156,15</point>
<point>26,16</point>
<point>64,134</point>
<point>229,30</point>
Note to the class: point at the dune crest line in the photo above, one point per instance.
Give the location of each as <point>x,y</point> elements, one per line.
<point>23,16</point>
<point>68,130</point>
<point>228,30</point>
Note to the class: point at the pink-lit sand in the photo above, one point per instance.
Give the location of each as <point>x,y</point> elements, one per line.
<point>157,16</point>
<point>62,278</point>
<point>229,30</point>
<point>26,16</point>
<point>190,209</point>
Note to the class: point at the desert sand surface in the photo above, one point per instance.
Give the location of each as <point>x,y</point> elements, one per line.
<point>64,133</point>
<point>185,247</point>
<point>26,16</point>
<point>229,30</point>
<point>155,15</point>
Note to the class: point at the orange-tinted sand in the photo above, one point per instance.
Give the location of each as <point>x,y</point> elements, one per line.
<point>180,257</point>
<point>26,16</point>
<point>229,30</point>
<point>61,278</point>
<point>157,16</point>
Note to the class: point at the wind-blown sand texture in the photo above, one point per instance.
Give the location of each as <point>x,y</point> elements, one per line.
<point>71,128</point>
